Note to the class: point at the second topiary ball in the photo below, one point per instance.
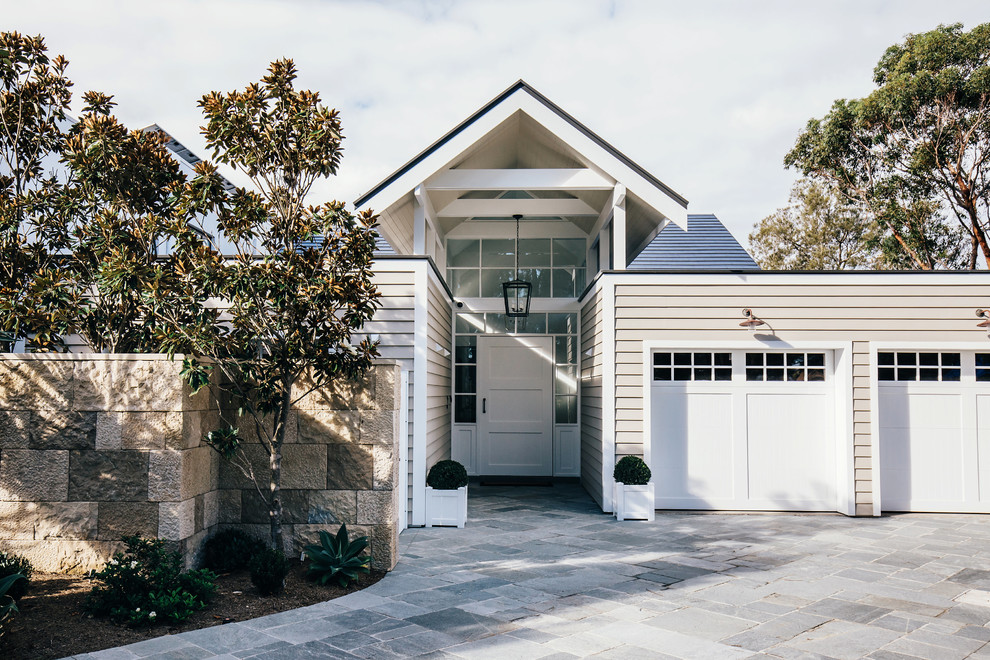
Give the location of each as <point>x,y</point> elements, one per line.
<point>632,471</point>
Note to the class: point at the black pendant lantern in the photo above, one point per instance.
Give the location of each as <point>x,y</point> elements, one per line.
<point>516,292</point>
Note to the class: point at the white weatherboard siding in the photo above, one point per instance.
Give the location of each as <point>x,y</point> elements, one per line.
<point>394,323</point>
<point>856,308</point>
<point>591,396</point>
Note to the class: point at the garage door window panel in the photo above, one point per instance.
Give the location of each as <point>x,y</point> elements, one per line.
<point>686,367</point>
<point>926,367</point>
<point>785,367</point>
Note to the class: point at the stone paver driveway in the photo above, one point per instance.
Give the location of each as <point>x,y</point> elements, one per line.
<point>542,573</point>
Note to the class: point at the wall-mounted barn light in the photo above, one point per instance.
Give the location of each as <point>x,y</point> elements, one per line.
<point>985,323</point>
<point>751,323</point>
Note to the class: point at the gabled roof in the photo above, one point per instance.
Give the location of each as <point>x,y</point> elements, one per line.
<point>706,245</point>
<point>522,97</point>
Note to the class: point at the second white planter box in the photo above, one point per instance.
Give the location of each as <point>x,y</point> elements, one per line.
<point>633,502</point>
<point>446,508</point>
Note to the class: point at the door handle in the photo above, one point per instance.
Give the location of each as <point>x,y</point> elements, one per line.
<point>484,401</point>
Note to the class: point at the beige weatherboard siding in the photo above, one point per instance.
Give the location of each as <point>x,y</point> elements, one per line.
<point>438,373</point>
<point>854,309</point>
<point>591,396</point>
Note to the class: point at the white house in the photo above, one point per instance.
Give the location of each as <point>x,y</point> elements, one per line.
<point>855,392</point>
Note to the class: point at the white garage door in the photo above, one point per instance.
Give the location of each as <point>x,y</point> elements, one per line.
<point>747,430</point>
<point>934,419</point>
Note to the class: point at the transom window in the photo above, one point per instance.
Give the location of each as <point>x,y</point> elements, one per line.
<point>781,367</point>
<point>922,366</point>
<point>555,266</point>
<point>684,366</point>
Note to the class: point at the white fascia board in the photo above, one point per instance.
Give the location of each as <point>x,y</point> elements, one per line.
<point>519,179</point>
<point>766,277</point>
<point>495,208</point>
<point>608,395</point>
<point>521,100</point>
<point>609,164</point>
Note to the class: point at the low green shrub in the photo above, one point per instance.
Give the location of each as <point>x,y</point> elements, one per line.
<point>337,558</point>
<point>8,606</point>
<point>11,564</point>
<point>632,471</point>
<point>230,550</point>
<point>447,475</point>
<point>146,585</point>
<point>268,570</point>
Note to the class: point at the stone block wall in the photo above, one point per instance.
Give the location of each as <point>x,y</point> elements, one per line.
<point>93,447</point>
<point>339,465</point>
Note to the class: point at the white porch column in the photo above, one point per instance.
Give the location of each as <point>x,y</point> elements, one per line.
<point>619,228</point>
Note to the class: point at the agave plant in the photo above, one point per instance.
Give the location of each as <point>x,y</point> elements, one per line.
<point>337,558</point>
<point>8,607</point>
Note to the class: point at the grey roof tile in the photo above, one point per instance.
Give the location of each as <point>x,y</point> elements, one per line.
<point>706,245</point>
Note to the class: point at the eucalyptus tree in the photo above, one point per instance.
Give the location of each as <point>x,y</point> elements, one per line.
<point>916,151</point>
<point>817,230</point>
<point>300,283</point>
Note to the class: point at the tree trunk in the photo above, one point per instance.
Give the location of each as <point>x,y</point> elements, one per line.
<point>275,495</point>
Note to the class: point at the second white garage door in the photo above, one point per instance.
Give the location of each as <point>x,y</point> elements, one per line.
<point>934,422</point>
<point>744,430</point>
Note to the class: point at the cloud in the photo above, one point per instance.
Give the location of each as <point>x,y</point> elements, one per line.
<point>708,96</point>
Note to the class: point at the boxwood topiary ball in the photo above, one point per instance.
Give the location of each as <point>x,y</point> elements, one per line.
<point>632,471</point>
<point>447,475</point>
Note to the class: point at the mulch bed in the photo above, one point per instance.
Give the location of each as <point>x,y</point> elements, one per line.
<point>52,623</point>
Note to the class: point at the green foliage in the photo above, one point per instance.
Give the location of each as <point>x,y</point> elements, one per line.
<point>300,283</point>
<point>11,564</point>
<point>915,153</point>
<point>146,585</point>
<point>818,230</point>
<point>80,248</point>
<point>8,604</point>
<point>34,99</point>
<point>447,475</point>
<point>268,570</point>
<point>122,205</point>
<point>230,550</point>
<point>632,471</point>
<point>225,440</point>
<point>336,558</point>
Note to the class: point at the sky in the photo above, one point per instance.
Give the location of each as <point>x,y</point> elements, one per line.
<point>707,95</point>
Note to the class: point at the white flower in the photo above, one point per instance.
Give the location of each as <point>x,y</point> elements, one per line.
<point>137,609</point>
<point>113,562</point>
<point>152,615</point>
<point>133,564</point>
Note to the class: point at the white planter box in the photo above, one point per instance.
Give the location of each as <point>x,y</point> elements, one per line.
<point>633,502</point>
<point>446,508</point>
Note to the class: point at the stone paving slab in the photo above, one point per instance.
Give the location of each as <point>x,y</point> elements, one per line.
<point>541,573</point>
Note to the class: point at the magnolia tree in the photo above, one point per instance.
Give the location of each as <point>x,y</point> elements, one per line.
<point>299,284</point>
<point>34,98</point>
<point>86,208</point>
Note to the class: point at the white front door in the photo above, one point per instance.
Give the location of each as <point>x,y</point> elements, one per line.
<point>515,430</point>
<point>744,429</point>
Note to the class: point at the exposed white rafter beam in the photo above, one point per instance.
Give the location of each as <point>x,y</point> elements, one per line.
<point>519,179</point>
<point>604,216</point>
<point>506,208</point>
